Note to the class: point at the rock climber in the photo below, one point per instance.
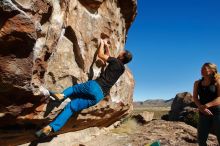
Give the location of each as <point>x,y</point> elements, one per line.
<point>91,92</point>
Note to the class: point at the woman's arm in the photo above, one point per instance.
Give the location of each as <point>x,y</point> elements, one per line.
<point>217,100</point>
<point>202,108</point>
<point>195,94</point>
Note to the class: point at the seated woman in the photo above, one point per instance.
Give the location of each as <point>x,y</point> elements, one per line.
<point>206,95</point>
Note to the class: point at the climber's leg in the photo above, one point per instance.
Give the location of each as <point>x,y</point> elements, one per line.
<point>75,105</point>
<point>78,90</point>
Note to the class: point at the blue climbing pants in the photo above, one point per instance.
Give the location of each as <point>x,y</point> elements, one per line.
<point>82,96</point>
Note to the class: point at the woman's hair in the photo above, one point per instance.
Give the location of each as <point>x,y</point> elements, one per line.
<point>214,69</point>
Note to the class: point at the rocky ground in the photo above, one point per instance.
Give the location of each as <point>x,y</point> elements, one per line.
<point>167,133</point>
<point>132,134</point>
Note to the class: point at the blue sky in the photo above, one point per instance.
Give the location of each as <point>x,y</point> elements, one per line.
<point>170,40</point>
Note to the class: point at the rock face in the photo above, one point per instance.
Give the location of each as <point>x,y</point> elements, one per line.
<point>53,44</point>
<point>182,104</point>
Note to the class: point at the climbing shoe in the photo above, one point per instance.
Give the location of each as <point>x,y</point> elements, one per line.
<point>43,132</point>
<point>57,96</point>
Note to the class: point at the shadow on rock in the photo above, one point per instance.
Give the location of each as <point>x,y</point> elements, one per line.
<point>42,140</point>
<point>50,106</point>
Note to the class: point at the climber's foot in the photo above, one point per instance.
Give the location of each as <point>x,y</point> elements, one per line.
<point>57,96</point>
<point>43,132</point>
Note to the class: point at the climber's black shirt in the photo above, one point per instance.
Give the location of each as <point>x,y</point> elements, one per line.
<point>111,74</point>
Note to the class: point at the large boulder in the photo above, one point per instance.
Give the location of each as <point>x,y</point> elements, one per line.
<point>182,105</point>
<point>53,45</point>
<point>143,117</point>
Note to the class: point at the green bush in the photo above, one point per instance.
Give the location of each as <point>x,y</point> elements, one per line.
<point>192,118</point>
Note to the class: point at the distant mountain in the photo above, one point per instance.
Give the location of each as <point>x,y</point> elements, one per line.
<point>154,102</point>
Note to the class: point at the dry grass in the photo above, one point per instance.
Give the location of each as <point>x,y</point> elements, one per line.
<point>127,127</point>
<point>158,111</point>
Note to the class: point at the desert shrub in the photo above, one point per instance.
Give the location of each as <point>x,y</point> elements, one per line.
<point>165,117</point>
<point>126,127</point>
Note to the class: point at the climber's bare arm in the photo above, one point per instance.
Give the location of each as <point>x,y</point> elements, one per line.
<point>107,45</point>
<point>104,55</point>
